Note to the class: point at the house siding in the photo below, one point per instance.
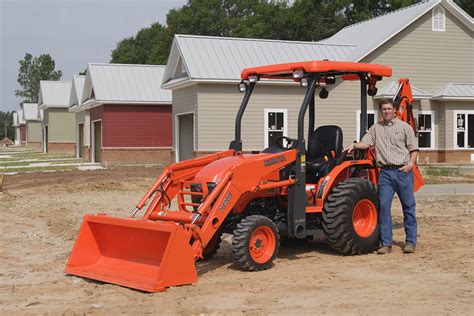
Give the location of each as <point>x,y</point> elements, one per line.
<point>34,131</point>
<point>23,133</point>
<point>185,100</point>
<point>61,127</point>
<point>218,106</point>
<point>429,58</point>
<point>137,126</point>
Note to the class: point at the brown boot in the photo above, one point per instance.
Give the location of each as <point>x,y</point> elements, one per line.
<point>384,250</point>
<point>409,248</point>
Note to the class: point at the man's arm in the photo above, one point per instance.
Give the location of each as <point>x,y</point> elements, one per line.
<point>360,145</point>
<point>409,166</point>
<point>411,143</point>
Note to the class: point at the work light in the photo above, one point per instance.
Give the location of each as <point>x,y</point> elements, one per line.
<point>242,86</point>
<point>298,73</point>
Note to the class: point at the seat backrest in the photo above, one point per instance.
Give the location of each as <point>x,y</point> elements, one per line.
<point>323,140</point>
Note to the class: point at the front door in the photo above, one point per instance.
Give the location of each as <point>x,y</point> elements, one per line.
<point>185,136</point>
<point>80,150</point>
<point>45,147</point>
<point>98,141</point>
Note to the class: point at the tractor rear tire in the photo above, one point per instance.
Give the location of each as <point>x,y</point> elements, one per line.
<point>350,217</point>
<point>256,243</point>
<point>212,247</point>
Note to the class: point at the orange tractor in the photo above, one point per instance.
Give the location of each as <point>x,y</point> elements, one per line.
<point>291,190</point>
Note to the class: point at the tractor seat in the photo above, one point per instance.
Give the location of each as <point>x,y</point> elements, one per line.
<point>323,140</point>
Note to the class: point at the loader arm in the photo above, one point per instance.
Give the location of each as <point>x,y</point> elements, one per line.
<point>403,100</point>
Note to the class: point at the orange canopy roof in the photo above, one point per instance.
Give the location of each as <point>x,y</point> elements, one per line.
<point>317,66</point>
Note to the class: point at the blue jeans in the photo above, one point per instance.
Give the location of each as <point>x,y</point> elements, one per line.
<point>391,181</point>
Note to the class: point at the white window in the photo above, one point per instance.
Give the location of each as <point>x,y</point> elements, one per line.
<point>438,19</point>
<point>464,129</point>
<point>372,117</point>
<point>426,131</point>
<point>275,121</point>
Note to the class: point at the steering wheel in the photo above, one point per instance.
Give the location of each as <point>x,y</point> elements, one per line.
<point>289,142</point>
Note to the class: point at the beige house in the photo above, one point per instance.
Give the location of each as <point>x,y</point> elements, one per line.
<point>430,42</point>
<point>33,118</point>
<point>83,122</point>
<point>58,124</point>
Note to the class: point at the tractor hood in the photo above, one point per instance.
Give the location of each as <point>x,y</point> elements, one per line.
<point>214,171</point>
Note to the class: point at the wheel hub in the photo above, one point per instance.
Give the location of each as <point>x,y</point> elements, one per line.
<point>364,218</point>
<point>262,244</point>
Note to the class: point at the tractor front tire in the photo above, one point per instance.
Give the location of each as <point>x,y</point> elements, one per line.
<point>255,244</point>
<point>350,217</point>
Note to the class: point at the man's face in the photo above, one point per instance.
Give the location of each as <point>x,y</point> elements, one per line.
<point>387,112</point>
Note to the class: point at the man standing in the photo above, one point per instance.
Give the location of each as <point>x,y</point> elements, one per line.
<point>396,151</point>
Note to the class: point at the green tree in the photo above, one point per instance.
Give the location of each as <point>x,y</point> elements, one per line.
<point>144,48</point>
<point>6,118</point>
<point>32,71</point>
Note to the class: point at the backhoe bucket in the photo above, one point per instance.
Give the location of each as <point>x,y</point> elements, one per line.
<point>144,255</point>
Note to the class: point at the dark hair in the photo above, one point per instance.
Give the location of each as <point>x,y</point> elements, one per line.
<point>386,101</point>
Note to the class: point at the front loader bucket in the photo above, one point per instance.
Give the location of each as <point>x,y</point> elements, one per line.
<point>144,255</point>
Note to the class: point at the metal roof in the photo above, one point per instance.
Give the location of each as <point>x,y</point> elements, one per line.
<point>371,34</point>
<point>389,90</point>
<point>76,90</point>
<point>209,58</point>
<point>123,83</point>
<point>30,112</point>
<point>54,93</point>
<point>455,91</point>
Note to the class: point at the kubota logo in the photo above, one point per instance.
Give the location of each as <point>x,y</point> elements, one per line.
<point>273,161</point>
<point>226,201</point>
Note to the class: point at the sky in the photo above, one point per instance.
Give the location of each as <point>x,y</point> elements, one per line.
<point>73,32</point>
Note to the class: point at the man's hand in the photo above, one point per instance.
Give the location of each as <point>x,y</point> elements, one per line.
<point>349,148</point>
<point>407,168</point>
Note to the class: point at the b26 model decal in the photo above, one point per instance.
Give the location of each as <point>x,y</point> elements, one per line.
<point>226,201</point>
<point>272,161</point>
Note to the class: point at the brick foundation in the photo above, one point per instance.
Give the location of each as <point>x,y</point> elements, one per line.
<point>125,156</point>
<point>66,148</point>
<point>87,153</point>
<point>435,156</point>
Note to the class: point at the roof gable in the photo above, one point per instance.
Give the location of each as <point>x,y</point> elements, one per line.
<point>21,120</point>
<point>30,112</point>
<point>124,83</point>
<point>15,118</point>
<point>209,58</point>
<point>371,34</point>
<point>77,88</point>
<point>54,93</point>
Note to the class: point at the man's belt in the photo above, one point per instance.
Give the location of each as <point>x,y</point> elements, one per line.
<point>392,167</point>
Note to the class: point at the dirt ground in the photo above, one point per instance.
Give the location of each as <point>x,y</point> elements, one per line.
<point>40,214</point>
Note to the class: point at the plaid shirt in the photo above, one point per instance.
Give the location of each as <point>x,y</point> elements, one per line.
<point>393,142</point>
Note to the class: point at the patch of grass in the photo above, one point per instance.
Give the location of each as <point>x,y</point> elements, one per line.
<point>26,163</point>
<point>39,169</point>
<point>443,172</point>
